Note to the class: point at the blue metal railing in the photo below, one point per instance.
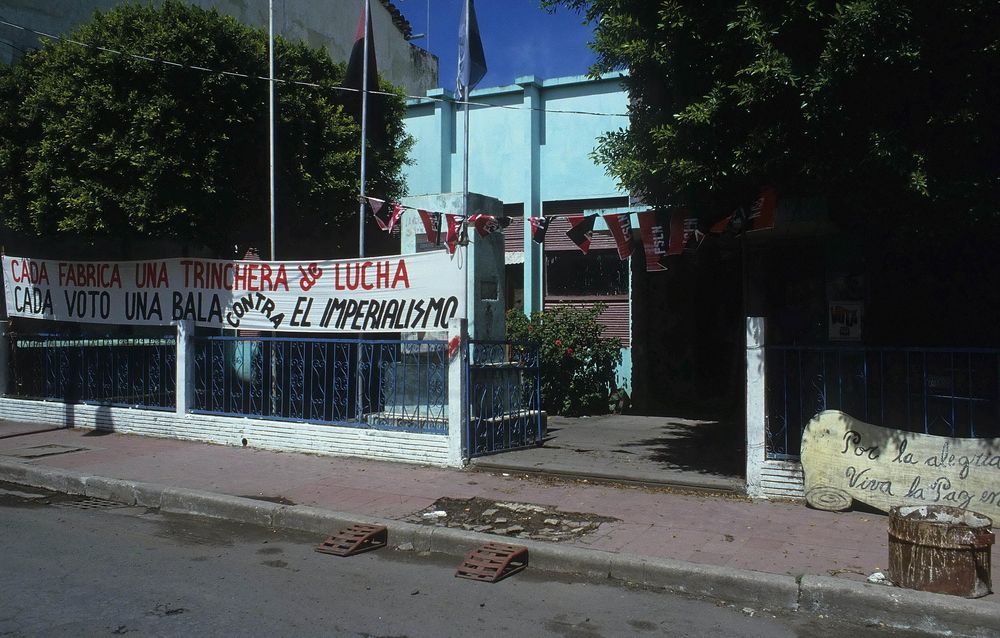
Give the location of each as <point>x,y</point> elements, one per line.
<point>133,372</point>
<point>504,384</point>
<point>383,384</point>
<point>946,392</point>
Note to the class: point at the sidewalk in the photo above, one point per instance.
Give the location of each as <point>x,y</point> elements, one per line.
<point>723,530</point>
<point>642,449</point>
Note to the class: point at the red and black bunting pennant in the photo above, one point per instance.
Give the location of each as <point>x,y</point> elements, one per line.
<point>581,230</point>
<point>734,223</point>
<point>663,233</point>
<point>397,212</point>
<point>375,204</point>
<point>653,228</point>
<point>385,217</point>
<point>675,245</point>
<point>684,232</point>
<point>695,237</point>
<point>432,225</point>
<point>451,238</point>
<point>484,224</point>
<point>720,226</point>
<point>620,225</point>
<point>763,211</point>
<point>539,226</point>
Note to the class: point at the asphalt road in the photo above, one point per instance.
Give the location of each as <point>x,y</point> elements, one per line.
<point>69,571</point>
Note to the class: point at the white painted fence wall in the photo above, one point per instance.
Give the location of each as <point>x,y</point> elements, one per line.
<point>410,447</point>
<point>765,478</point>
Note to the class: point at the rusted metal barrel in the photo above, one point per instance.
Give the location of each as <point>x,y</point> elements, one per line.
<point>940,549</point>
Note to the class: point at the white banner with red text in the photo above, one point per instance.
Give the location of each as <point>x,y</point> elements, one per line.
<point>419,292</point>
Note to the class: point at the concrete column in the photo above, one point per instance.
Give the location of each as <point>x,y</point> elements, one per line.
<point>533,253</point>
<point>756,411</point>
<point>185,366</point>
<point>444,122</point>
<point>458,397</point>
<point>4,358</point>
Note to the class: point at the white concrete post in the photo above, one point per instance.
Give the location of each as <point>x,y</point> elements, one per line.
<point>458,420</point>
<point>185,366</point>
<point>756,411</point>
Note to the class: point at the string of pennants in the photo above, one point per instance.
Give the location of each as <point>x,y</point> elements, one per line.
<point>663,233</point>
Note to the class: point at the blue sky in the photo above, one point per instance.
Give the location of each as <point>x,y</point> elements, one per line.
<point>519,38</point>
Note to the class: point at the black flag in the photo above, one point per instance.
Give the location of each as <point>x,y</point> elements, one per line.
<point>354,76</point>
<point>471,58</point>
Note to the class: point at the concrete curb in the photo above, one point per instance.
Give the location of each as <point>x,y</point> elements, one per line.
<point>895,607</point>
<point>856,602</point>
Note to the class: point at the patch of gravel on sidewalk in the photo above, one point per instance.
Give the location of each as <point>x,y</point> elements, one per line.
<point>504,518</point>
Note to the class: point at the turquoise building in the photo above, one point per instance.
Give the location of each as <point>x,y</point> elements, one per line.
<point>531,149</point>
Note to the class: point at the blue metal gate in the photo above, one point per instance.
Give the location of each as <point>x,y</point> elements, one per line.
<point>505,397</point>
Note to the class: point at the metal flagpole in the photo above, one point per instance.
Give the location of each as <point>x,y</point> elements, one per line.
<point>270,101</point>
<point>359,393</point>
<point>270,125</point>
<point>364,136</point>
<point>468,353</point>
<point>465,162</point>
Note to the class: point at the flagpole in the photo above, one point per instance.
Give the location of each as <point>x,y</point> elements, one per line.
<point>466,91</point>
<point>358,393</point>
<point>270,106</point>
<point>364,136</point>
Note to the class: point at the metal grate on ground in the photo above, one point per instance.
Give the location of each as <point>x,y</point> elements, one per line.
<point>89,503</point>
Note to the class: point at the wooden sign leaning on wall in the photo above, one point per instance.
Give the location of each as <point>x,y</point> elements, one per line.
<point>844,459</point>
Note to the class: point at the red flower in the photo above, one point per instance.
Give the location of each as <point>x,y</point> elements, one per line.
<point>558,342</point>
<point>569,351</point>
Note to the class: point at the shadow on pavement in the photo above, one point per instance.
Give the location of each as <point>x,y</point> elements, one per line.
<point>670,450</point>
<point>711,447</point>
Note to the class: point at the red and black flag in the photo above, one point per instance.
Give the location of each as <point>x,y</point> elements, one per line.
<point>675,246</point>
<point>539,225</point>
<point>653,226</point>
<point>620,225</point>
<point>734,223</point>
<point>397,212</point>
<point>693,235</point>
<point>581,230</point>
<point>763,211</point>
<point>385,216</point>
<point>683,229</point>
<point>376,205</point>
<point>451,238</point>
<point>484,224</point>
<point>354,78</point>
<point>432,226</point>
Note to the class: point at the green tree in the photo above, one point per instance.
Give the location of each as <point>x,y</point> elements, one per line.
<point>95,143</point>
<point>885,108</point>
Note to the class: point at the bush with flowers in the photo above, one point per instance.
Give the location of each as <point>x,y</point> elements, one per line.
<point>577,363</point>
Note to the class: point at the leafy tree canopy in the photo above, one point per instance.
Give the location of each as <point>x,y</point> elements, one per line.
<point>95,143</point>
<point>886,108</point>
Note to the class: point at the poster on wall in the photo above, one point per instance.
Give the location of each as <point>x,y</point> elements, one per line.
<point>379,294</point>
<point>846,319</point>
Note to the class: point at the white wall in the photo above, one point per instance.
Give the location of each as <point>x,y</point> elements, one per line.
<point>430,449</point>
